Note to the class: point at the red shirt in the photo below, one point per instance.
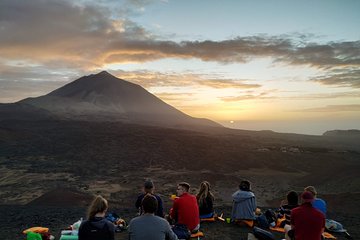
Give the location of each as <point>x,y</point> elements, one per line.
<point>186,211</point>
<point>308,222</point>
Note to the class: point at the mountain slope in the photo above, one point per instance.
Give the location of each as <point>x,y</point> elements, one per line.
<point>103,97</point>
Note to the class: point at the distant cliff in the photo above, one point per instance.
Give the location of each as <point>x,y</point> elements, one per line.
<point>350,133</point>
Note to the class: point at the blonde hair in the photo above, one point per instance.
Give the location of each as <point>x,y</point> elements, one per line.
<point>98,205</point>
<point>311,189</point>
<point>204,192</point>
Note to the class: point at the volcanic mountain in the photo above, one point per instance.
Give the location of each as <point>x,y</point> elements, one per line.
<point>102,97</point>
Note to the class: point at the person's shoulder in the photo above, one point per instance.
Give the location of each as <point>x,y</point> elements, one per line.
<point>110,225</point>
<point>141,195</point>
<point>192,196</point>
<point>158,197</point>
<point>161,220</point>
<point>235,193</point>
<point>157,218</point>
<point>318,212</point>
<point>135,219</point>
<point>83,223</point>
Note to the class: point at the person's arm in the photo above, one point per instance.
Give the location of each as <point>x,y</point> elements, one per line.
<point>129,229</point>
<point>174,209</point>
<point>323,227</point>
<point>138,202</point>
<point>160,206</point>
<point>292,220</point>
<point>81,235</point>
<point>112,232</point>
<point>253,203</point>
<point>211,203</point>
<point>170,235</point>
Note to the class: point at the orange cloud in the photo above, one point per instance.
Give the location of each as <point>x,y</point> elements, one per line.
<point>158,79</point>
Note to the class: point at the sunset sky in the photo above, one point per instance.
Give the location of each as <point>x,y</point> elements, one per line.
<point>287,66</point>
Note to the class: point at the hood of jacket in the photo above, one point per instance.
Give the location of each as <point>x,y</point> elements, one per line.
<point>240,195</point>
<point>98,222</point>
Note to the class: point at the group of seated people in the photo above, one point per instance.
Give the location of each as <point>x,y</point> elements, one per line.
<point>187,211</point>
<point>305,221</point>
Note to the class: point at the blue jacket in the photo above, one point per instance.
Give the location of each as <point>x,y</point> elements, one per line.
<point>320,205</point>
<point>244,205</point>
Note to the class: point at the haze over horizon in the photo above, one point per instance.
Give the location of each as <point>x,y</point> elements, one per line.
<point>256,65</point>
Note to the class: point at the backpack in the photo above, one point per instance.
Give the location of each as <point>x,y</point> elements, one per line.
<point>33,236</point>
<point>94,233</point>
<point>334,226</point>
<point>112,217</point>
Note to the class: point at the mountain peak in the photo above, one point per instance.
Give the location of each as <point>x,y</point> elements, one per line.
<point>103,74</point>
<point>100,84</point>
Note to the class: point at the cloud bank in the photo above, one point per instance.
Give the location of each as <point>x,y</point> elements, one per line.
<point>88,36</point>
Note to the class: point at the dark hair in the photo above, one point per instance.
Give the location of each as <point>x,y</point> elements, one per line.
<point>149,204</point>
<point>148,186</point>
<point>185,185</point>
<point>245,185</point>
<point>98,205</point>
<point>292,198</point>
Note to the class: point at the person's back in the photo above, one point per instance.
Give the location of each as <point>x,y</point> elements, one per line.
<point>97,227</point>
<point>307,222</point>
<point>205,200</point>
<point>159,211</point>
<point>149,188</point>
<point>185,208</point>
<point>286,207</point>
<point>148,226</point>
<point>206,207</point>
<point>320,205</point>
<point>244,203</point>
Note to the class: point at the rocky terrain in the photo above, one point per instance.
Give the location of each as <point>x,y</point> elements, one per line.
<point>40,158</point>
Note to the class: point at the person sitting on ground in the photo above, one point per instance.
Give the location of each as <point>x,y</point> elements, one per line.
<point>307,223</point>
<point>244,203</point>
<point>185,209</point>
<point>149,188</point>
<point>97,227</point>
<point>291,202</point>
<point>318,203</point>
<point>205,200</point>
<point>148,226</point>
